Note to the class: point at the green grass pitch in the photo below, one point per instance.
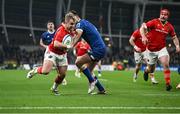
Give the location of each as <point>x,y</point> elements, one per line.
<point>21,95</point>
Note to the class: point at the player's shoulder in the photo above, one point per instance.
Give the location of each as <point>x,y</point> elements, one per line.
<point>136,32</point>
<point>44,33</point>
<point>80,23</point>
<point>61,30</point>
<point>83,21</point>
<point>155,19</point>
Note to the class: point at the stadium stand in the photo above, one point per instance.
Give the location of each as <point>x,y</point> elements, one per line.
<point>17,22</point>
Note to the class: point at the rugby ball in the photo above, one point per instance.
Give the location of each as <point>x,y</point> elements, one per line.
<point>67,40</point>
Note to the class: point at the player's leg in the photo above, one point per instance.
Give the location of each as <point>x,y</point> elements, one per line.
<point>153,80</point>
<point>77,72</point>
<point>45,69</point>
<point>137,68</point>
<point>164,58</point>
<point>138,57</point>
<point>100,87</point>
<point>149,69</point>
<point>61,63</point>
<point>49,60</point>
<point>80,63</point>
<point>61,70</point>
<point>64,82</point>
<point>178,86</point>
<point>151,60</point>
<point>151,74</point>
<point>165,63</point>
<point>99,69</point>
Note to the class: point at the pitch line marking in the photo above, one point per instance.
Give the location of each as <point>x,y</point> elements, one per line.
<point>95,108</point>
<point>170,95</point>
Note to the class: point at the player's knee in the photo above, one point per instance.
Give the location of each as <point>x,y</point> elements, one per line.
<point>166,66</point>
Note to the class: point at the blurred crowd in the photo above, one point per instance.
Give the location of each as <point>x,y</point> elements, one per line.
<point>14,56</point>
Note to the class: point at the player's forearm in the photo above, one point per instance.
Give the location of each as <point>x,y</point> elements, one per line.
<point>143,30</point>
<point>131,41</point>
<point>176,41</point>
<point>59,45</point>
<point>42,44</point>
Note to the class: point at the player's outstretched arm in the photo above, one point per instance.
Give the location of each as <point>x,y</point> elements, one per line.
<point>176,43</point>
<point>131,41</point>
<point>143,31</point>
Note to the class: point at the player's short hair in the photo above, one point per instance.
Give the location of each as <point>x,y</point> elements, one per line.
<point>166,10</point>
<point>50,21</point>
<point>69,16</point>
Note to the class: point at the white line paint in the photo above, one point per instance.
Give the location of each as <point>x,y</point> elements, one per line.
<point>86,108</point>
<point>170,95</point>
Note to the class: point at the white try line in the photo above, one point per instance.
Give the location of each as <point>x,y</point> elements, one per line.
<point>167,95</point>
<point>86,108</point>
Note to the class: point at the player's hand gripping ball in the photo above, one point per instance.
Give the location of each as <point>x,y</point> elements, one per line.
<point>67,40</point>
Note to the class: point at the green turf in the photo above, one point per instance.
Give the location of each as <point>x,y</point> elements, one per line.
<point>122,94</point>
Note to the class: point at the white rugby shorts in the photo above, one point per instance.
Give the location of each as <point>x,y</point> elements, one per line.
<point>58,60</point>
<point>154,56</point>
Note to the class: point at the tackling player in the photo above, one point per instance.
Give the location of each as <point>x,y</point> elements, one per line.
<point>158,29</point>
<point>89,33</point>
<point>139,54</point>
<point>56,54</point>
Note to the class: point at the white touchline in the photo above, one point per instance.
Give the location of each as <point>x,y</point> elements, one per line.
<point>95,108</point>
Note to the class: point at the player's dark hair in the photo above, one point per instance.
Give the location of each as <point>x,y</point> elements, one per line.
<point>165,9</point>
<point>73,12</point>
<point>50,21</point>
